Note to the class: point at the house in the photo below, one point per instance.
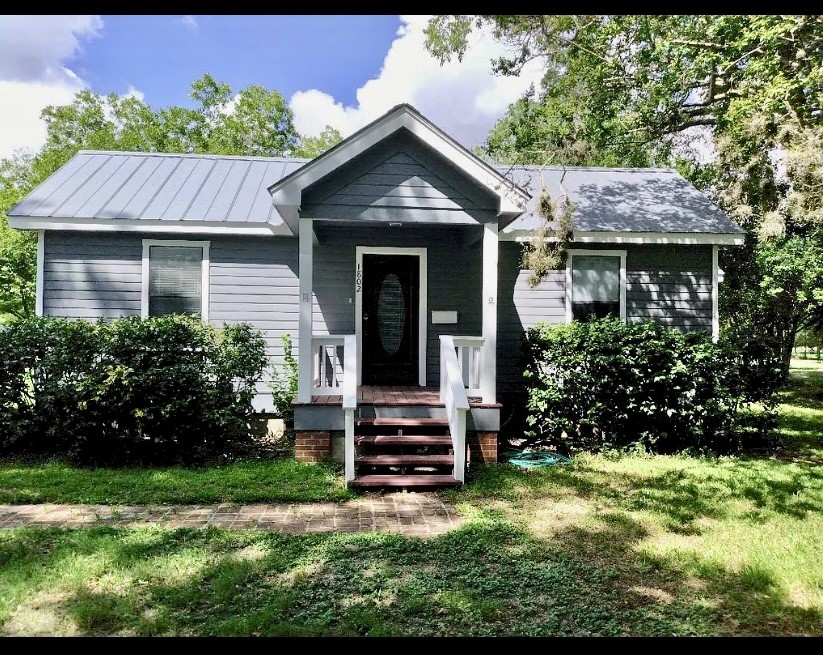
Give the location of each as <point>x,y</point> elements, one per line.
<point>394,262</point>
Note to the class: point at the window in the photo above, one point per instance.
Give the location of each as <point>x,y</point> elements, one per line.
<point>595,284</point>
<point>175,277</point>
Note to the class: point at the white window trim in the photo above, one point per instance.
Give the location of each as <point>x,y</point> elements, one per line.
<point>602,253</point>
<point>423,294</point>
<point>144,290</point>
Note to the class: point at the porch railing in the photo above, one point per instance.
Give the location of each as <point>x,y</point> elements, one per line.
<point>469,351</point>
<point>335,373</point>
<point>453,396</point>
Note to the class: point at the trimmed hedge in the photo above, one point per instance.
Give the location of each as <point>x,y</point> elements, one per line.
<point>167,389</point>
<point>604,384</point>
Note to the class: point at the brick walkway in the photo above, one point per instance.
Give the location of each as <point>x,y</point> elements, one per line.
<point>400,513</point>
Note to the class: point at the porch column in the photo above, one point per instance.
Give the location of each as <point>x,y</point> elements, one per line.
<point>488,361</point>
<point>304,352</point>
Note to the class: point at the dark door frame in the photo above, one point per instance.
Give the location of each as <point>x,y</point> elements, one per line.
<point>422,295</point>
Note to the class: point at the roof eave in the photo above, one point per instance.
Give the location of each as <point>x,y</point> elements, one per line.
<point>672,238</point>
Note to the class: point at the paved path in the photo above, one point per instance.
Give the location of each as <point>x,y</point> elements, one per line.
<point>400,513</point>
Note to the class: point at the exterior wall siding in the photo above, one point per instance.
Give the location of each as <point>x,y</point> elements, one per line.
<point>671,284</point>
<point>93,275</point>
<point>89,275</point>
<point>252,279</point>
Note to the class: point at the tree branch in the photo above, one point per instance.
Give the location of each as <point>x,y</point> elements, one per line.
<point>706,45</point>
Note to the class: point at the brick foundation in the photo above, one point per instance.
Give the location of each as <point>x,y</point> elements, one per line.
<point>312,446</point>
<point>482,447</point>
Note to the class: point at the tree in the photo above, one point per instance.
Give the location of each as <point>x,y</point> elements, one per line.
<point>312,146</point>
<point>634,90</point>
<point>253,121</point>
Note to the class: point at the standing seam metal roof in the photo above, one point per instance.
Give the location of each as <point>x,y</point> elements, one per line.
<point>182,187</point>
<point>160,186</point>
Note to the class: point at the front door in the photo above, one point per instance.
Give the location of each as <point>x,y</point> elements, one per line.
<point>390,319</point>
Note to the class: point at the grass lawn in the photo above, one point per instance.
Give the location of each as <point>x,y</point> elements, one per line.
<point>604,546</point>
<point>280,480</point>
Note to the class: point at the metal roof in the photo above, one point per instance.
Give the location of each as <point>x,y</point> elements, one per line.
<point>620,200</point>
<point>160,186</point>
<point>216,188</point>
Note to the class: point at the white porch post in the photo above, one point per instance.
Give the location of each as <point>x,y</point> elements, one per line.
<point>304,353</point>
<point>488,373</point>
<point>715,295</point>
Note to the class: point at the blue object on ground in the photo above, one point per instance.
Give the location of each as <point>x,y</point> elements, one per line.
<point>529,460</point>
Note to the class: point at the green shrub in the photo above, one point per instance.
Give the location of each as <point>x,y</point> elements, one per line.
<point>283,384</point>
<point>161,390</point>
<point>604,384</point>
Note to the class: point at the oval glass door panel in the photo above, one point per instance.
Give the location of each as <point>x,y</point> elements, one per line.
<point>391,313</point>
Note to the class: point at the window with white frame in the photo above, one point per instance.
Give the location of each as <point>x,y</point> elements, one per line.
<point>595,284</point>
<point>175,277</point>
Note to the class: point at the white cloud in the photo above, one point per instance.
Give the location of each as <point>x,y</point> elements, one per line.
<point>131,92</point>
<point>20,124</point>
<point>32,74</point>
<point>190,22</point>
<point>462,98</point>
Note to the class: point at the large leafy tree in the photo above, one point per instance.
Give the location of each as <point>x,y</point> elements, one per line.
<point>253,121</point>
<point>635,90</point>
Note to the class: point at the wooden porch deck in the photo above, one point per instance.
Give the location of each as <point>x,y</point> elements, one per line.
<point>396,396</point>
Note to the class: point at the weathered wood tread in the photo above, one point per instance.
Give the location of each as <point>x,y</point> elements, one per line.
<point>387,420</point>
<point>404,481</point>
<point>403,440</point>
<point>406,460</point>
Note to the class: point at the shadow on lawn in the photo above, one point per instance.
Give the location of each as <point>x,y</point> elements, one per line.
<point>487,578</point>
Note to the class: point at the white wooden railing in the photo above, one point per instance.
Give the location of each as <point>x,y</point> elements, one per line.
<point>453,396</point>
<point>335,374</point>
<point>327,364</point>
<point>469,351</point>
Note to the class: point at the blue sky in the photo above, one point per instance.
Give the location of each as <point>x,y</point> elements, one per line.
<point>338,70</point>
<point>242,50</point>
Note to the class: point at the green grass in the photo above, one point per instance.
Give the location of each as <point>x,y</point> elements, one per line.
<point>608,545</point>
<point>278,480</point>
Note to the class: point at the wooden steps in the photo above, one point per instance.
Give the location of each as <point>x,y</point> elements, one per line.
<point>405,460</point>
<point>403,440</point>
<point>402,422</point>
<point>403,452</point>
<point>384,481</point>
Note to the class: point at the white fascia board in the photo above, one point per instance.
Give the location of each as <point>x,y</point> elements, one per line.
<point>678,238</point>
<point>147,226</point>
<point>290,191</point>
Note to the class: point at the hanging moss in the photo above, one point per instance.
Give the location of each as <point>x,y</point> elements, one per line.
<point>550,242</point>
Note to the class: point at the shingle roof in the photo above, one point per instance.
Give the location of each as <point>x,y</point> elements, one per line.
<point>180,187</point>
<point>621,200</point>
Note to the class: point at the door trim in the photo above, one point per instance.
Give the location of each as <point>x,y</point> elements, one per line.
<point>422,294</point>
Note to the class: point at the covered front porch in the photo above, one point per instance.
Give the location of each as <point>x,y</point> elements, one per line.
<point>398,256</point>
<point>402,332</point>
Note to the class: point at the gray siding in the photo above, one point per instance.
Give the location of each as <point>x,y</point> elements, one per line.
<point>399,179</point>
<point>89,275</point>
<point>670,284</point>
<point>667,283</point>
<point>454,279</point>
<point>521,307</point>
<point>252,279</point>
